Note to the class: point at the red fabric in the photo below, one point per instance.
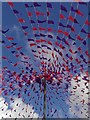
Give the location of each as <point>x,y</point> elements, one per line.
<point>62,16</point>
<point>50,43</point>
<point>71,18</point>
<point>32,44</point>
<point>29,14</point>
<point>87,22</point>
<point>79,13</point>
<point>11,4</point>
<point>21,20</point>
<point>10,38</point>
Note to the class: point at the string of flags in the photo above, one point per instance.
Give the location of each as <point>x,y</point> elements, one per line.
<point>57,41</point>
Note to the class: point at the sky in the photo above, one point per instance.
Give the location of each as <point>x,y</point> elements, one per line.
<point>46,0</point>
<point>58,98</point>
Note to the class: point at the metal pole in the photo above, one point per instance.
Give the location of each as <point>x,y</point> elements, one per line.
<point>44,108</point>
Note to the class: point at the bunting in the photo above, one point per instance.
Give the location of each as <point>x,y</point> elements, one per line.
<point>45,42</point>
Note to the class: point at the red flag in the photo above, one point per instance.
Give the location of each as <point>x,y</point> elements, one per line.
<point>66,42</point>
<point>50,29</point>
<point>79,48</point>
<point>36,56</point>
<point>76,78</point>
<point>66,33</point>
<point>67,69</point>
<point>78,61</point>
<point>71,18</point>
<point>48,13</point>
<point>17,77</point>
<point>72,28</point>
<point>9,46</point>
<point>11,4</point>
<point>61,46</point>
<point>79,12</point>
<point>87,53</point>
<point>29,14</point>
<point>56,43</point>
<point>10,38</point>
<point>4,57</point>
<point>71,58</point>
<point>42,28</point>
<point>44,51</point>
<point>50,43</point>
<point>89,35</point>
<point>39,13</point>
<point>71,51</point>
<point>39,52</point>
<point>17,55</point>
<point>16,64</point>
<point>21,20</point>
<point>87,22</point>
<point>26,33</point>
<point>32,44</point>
<point>14,73</point>
<point>60,31</point>
<point>41,40</point>
<point>79,37</point>
<point>19,48</point>
<point>53,55</point>
<point>34,28</point>
<point>62,16</point>
<point>38,41</point>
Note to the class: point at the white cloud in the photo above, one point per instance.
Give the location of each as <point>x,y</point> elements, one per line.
<point>79,98</point>
<point>20,111</point>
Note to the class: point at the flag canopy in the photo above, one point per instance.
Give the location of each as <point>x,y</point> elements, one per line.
<point>45,41</point>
